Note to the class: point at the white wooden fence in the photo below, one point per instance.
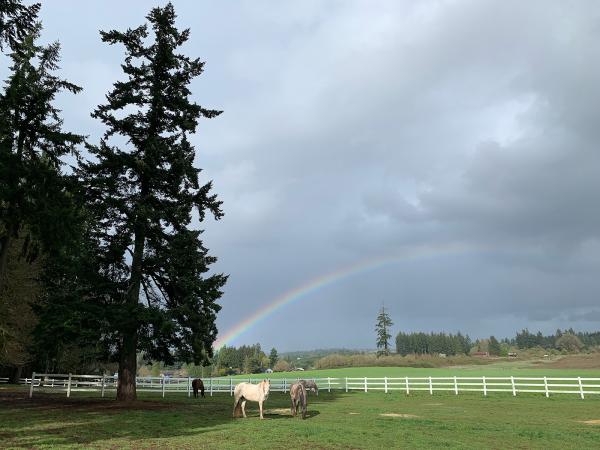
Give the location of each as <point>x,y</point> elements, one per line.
<point>580,386</point>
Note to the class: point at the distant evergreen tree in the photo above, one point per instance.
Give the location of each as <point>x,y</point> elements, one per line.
<point>273,357</point>
<point>382,327</point>
<point>156,297</point>
<point>494,346</point>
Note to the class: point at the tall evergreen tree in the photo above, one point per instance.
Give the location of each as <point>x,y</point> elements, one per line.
<point>141,196</point>
<point>382,327</point>
<point>273,357</point>
<point>32,143</point>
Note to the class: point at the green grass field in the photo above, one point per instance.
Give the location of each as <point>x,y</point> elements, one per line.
<point>336,420</point>
<point>500,369</point>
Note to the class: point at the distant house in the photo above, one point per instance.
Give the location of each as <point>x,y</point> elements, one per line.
<point>269,371</point>
<point>481,354</point>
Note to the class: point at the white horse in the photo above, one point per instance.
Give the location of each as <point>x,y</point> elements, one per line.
<point>253,392</point>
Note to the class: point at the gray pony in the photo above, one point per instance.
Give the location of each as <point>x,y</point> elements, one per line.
<point>310,386</point>
<point>298,395</point>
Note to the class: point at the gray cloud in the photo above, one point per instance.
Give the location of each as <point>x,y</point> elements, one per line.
<point>355,130</point>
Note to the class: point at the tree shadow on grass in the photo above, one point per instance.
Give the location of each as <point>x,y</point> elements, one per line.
<point>50,419</point>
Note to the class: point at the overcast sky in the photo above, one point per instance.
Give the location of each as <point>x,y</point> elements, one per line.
<point>462,131</point>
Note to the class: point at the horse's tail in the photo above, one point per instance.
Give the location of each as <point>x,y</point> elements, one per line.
<point>237,406</point>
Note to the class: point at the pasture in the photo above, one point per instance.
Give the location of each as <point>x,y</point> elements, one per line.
<point>335,420</point>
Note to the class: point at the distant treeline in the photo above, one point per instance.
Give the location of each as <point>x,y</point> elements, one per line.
<point>245,359</point>
<point>429,344</point>
<point>526,339</point>
<point>419,343</point>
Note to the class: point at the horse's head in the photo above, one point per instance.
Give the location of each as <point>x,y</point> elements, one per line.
<point>266,386</point>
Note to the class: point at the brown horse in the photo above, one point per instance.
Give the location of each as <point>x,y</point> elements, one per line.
<point>198,384</point>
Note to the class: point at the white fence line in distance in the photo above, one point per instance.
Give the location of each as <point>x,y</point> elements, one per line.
<point>580,386</point>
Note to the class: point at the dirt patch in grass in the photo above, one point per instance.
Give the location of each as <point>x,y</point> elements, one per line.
<point>279,411</point>
<point>592,422</point>
<point>590,361</point>
<point>403,416</point>
<point>45,401</point>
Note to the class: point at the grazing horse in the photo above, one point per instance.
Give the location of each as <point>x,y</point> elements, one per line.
<point>253,392</point>
<point>310,386</point>
<point>198,384</point>
<point>298,395</point>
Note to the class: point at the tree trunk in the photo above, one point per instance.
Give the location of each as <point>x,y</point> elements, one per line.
<point>15,375</point>
<point>5,243</point>
<point>126,388</point>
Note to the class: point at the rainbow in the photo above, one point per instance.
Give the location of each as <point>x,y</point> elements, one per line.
<point>315,284</point>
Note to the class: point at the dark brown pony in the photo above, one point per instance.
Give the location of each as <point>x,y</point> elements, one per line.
<point>198,384</point>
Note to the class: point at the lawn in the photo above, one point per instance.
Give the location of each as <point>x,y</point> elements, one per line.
<point>336,420</point>
<point>501,369</point>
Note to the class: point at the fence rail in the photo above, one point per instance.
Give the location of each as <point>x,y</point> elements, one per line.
<point>580,386</point>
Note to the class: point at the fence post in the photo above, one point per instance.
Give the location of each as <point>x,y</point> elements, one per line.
<point>69,386</point>
<point>328,384</point>
<point>385,385</point>
<point>514,389</point>
<point>163,387</point>
<point>32,383</point>
<point>346,384</point>
<point>366,389</point>
<point>455,386</point>
<point>546,387</point>
<point>407,389</point>
<point>211,389</point>
<point>580,388</point>
<point>189,386</point>
<point>484,386</point>
<point>103,384</point>
<point>284,385</point>
<point>430,387</point>
<point>230,386</point>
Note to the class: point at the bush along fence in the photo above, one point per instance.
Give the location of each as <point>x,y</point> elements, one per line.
<point>580,386</point>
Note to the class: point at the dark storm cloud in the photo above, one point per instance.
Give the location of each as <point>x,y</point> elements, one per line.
<point>354,130</point>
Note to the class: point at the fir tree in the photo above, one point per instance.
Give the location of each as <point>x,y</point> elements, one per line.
<point>141,196</point>
<point>16,22</point>
<point>32,142</point>
<point>382,328</point>
<point>273,357</point>
<point>494,348</point>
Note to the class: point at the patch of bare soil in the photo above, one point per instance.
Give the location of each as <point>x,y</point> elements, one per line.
<point>589,361</point>
<point>592,422</point>
<point>45,401</point>
<point>280,411</point>
<point>403,416</point>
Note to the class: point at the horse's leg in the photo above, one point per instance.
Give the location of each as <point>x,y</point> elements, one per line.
<point>244,408</point>
<point>260,407</point>
<point>293,408</point>
<point>236,406</point>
